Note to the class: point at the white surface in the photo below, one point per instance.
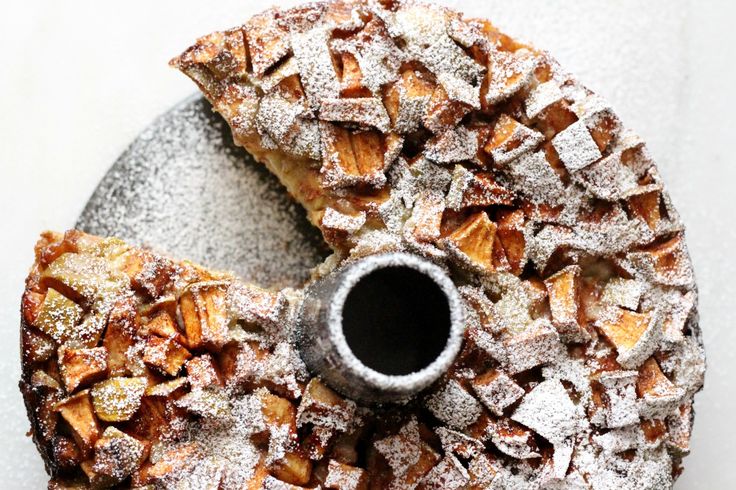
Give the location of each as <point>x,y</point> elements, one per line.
<point>80,79</point>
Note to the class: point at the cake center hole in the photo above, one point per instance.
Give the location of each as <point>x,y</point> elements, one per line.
<point>396,320</point>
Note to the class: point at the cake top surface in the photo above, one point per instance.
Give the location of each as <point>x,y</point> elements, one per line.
<point>400,126</point>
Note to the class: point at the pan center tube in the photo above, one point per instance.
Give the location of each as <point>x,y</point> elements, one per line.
<point>383,328</point>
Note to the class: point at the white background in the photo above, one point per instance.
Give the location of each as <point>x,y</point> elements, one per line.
<point>78,81</point>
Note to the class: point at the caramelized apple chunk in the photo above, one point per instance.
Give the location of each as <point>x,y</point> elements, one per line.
<point>118,399</point>
<point>204,312</point>
<point>78,412</point>
<point>117,455</point>
<point>80,367</point>
<point>166,355</point>
<point>58,316</point>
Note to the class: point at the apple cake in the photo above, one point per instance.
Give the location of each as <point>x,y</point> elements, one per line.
<point>400,127</point>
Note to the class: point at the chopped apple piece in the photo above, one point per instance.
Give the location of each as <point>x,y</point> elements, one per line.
<point>449,474</point>
<point>36,346</point>
<point>292,468</point>
<point>89,277</point>
<point>80,415</point>
<point>576,147</point>
<point>82,366</point>
<point>351,82</point>
<point>210,402</point>
<point>337,225</point>
<point>514,439</point>
<point>614,400</point>
<point>174,460</point>
<point>658,395</point>
<point>537,344</point>
<point>268,41</point>
<point>415,85</point>
<point>665,263</point>
<point>497,390</point>
<point>646,207</point>
<point>158,414</point>
<point>623,292</point>
<point>564,302</point>
<point>459,443</point>
<point>271,483</point>
<point>147,272</point>
<point>426,218</point>
<point>258,307</point>
<point>483,191</point>
<point>635,335</point>
<point>367,112</point>
<point>452,145</point>
<point>407,100</point>
<point>403,473</point>
<point>201,372</point>
<point>277,411</point>
<point>351,157</point>
<point>117,455</point>
<point>31,302</point>
<point>542,96</point>
<point>339,166</point>
<point>511,233</point>
<point>474,239</point>
<point>238,364</point>
<point>508,72</point>
<point>204,312</point>
<point>95,479</point>
<point>324,408</point>
<point>679,425</point>
<point>369,153</point>
<point>344,477</point>
<point>318,442</point>
<point>53,245</point>
<point>556,118</point>
<point>217,56</point>
<point>58,316</point>
<point>510,139</point>
<point>627,329</point>
<point>653,430</point>
<point>442,112</point>
<point>166,355</point>
<point>482,471</point>
<point>604,128</point>
<point>454,405</point>
<point>163,325</point>
<point>118,399</point>
<point>122,325</point>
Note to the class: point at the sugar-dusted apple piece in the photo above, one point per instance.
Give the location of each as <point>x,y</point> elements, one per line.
<point>79,413</point>
<point>634,335</point>
<point>321,406</point>
<point>345,477</point>
<point>118,399</point>
<point>58,315</point>
<point>79,367</point>
<point>203,310</point>
<point>474,241</point>
<point>497,390</point>
<point>564,301</point>
<point>117,456</point>
<point>165,354</point>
